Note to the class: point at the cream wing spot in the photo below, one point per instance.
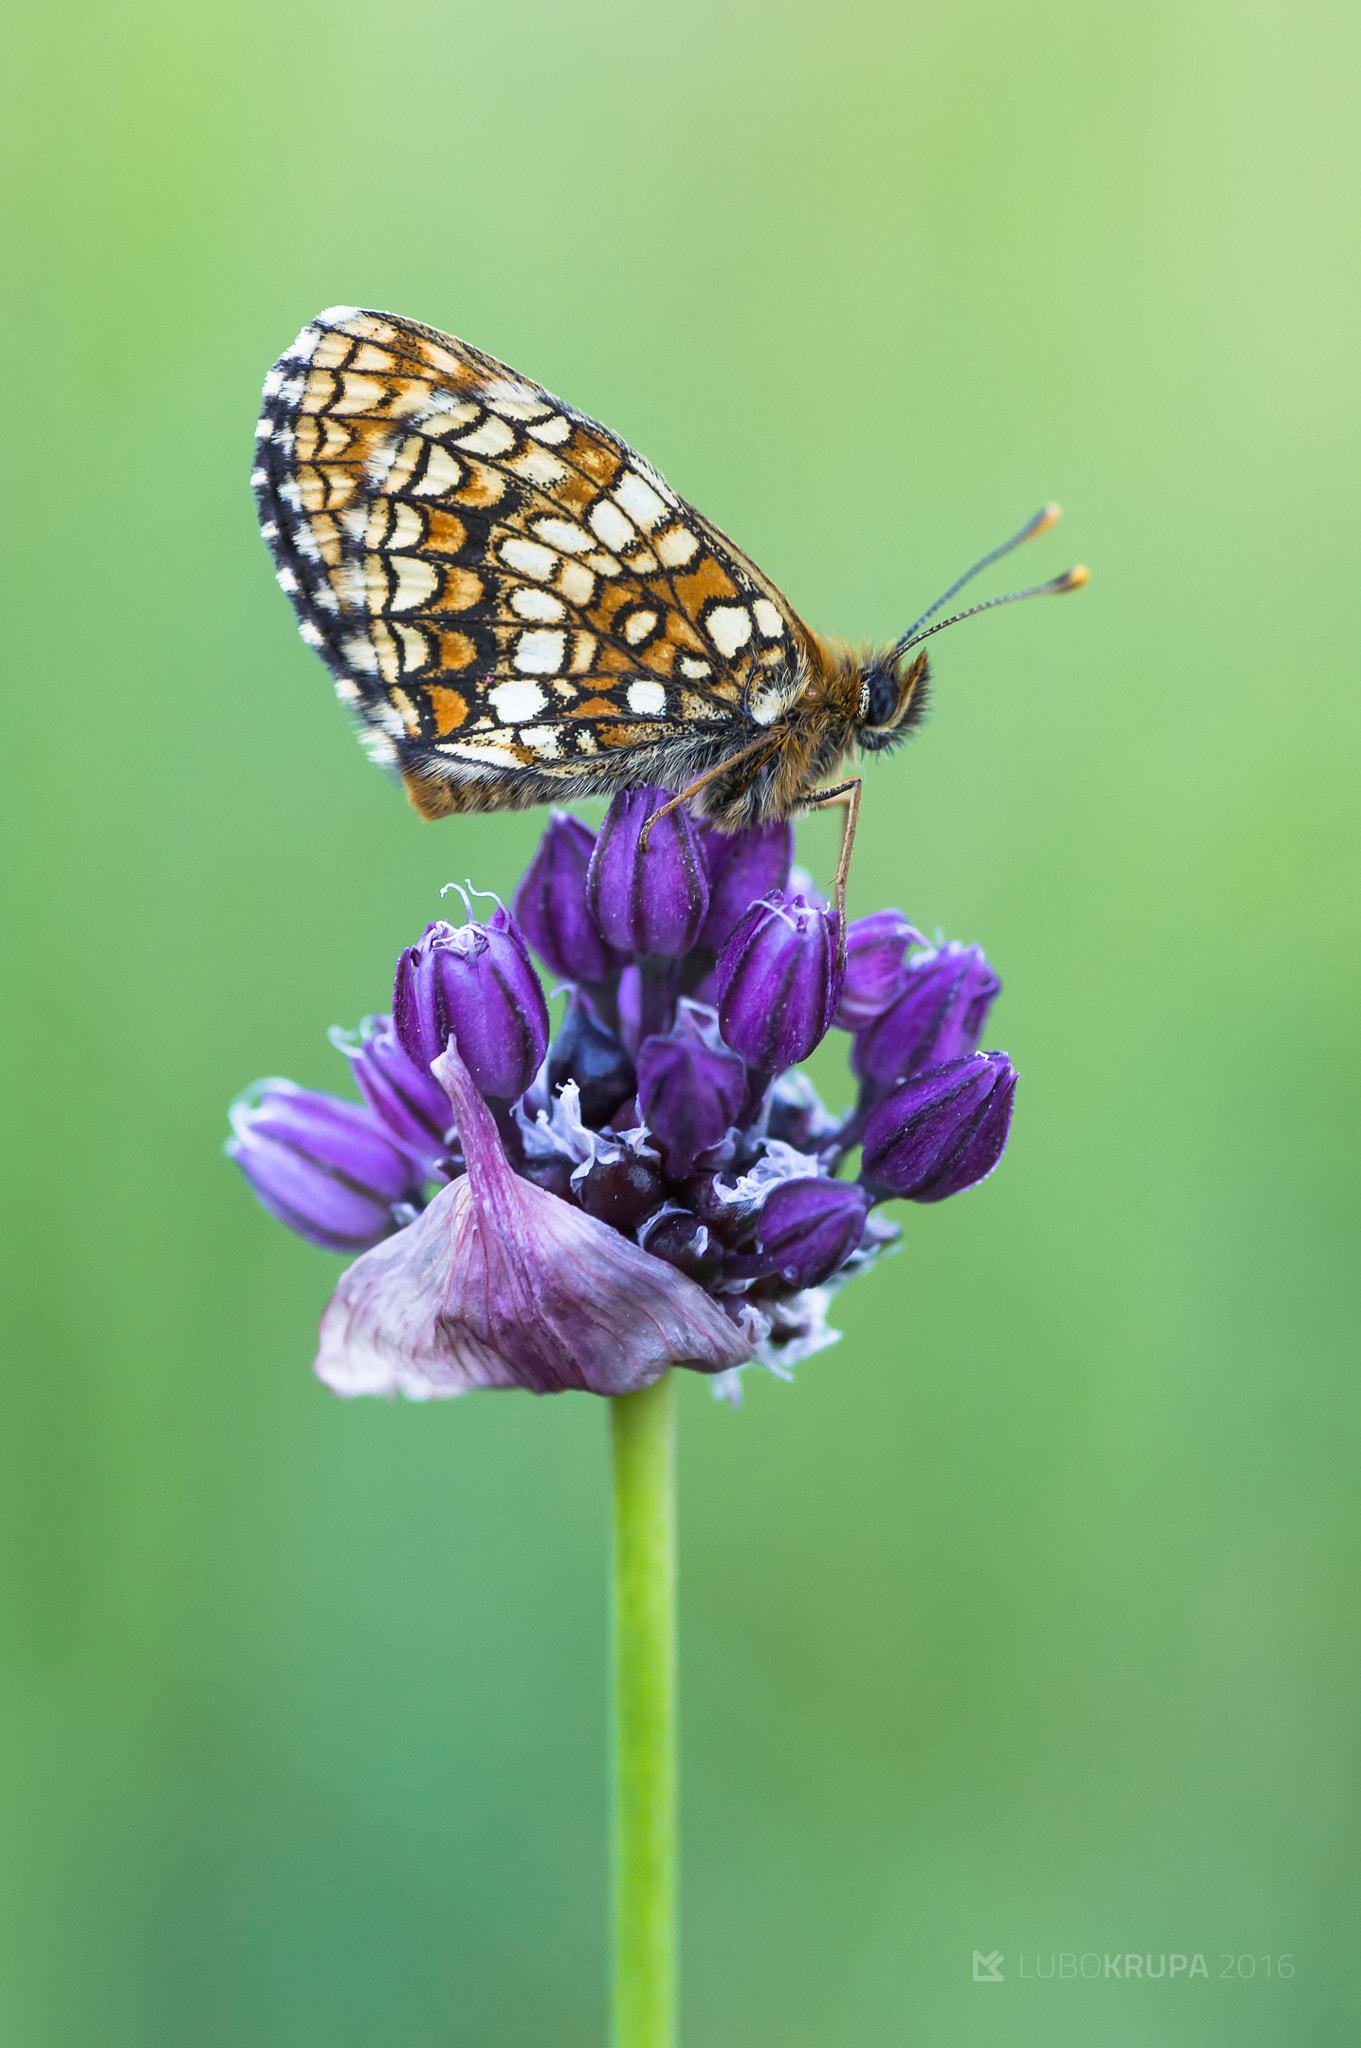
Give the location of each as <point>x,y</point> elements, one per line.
<point>539,654</point>
<point>552,431</point>
<point>729,627</point>
<point>493,437</point>
<point>695,670</point>
<point>442,473</point>
<point>676,546</point>
<point>638,625</point>
<point>544,739</point>
<point>414,579</point>
<point>610,526</point>
<point>358,394</point>
<point>563,534</point>
<point>408,528</point>
<point>415,647</point>
<point>486,755</point>
<point>537,466</point>
<point>515,701</point>
<point>639,500</point>
<point>768,619</point>
<point>576,583</point>
<point>529,558</point>
<point>646,697</point>
<point>536,604</point>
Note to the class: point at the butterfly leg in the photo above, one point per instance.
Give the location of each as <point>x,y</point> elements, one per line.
<point>847,793</point>
<point>764,744</point>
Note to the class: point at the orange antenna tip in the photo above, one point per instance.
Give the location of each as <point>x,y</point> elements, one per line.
<point>1074,579</point>
<point>1048,515</point>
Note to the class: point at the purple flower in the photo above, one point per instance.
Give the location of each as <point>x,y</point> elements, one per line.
<point>875,947</point>
<point>662,1142</point>
<point>326,1168</point>
<point>689,1093</point>
<point>476,981</point>
<point>411,1104</point>
<point>778,982</point>
<point>500,1284</point>
<point>809,1228</point>
<point>938,1013</point>
<point>742,866</point>
<point>550,905</point>
<point>585,1052</point>
<point>653,902</point>
<point>943,1130</point>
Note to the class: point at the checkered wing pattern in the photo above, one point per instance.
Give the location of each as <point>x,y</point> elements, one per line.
<point>514,602</point>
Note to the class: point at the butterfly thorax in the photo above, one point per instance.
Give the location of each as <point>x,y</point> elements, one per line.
<point>841,700</point>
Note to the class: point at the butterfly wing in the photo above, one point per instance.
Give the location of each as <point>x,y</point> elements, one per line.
<point>515,603</point>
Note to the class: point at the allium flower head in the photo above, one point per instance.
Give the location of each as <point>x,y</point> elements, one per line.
<point>660,1186</point>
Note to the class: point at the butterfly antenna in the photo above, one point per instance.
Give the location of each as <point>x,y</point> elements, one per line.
<point>1071,579</point>
<point>1047,516</point>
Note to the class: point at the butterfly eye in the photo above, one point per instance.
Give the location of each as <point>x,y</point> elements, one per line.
<point>881,699</point>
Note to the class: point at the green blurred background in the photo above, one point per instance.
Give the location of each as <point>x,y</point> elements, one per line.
<point>1026,1620</point>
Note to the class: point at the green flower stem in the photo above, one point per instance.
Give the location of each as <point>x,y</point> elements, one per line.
<point>643,1781</point>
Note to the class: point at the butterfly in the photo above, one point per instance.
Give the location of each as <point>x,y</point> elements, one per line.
<point>519,608</point>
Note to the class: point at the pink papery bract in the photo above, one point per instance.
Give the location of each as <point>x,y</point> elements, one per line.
<point>500,1284</point>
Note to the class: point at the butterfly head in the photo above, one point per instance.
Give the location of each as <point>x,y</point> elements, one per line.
<point>893,680</point>
<point>893,692</point>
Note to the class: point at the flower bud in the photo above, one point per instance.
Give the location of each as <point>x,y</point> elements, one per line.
<point>549,905</point>
<point>678,1236</point>
<point>689,1094</point>
<point>742,866</point>
<point>476,981</point>
<point>653,902</point>
<point>939,1012</point>
<point>808,1228</point>
<point>943,1130</point>
<point>585,1052</point>
<point>621,1187</point>
<point>875,946</point>
<point>326,1168</point>
<point>410,1103</point>
<point>778,982</point>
